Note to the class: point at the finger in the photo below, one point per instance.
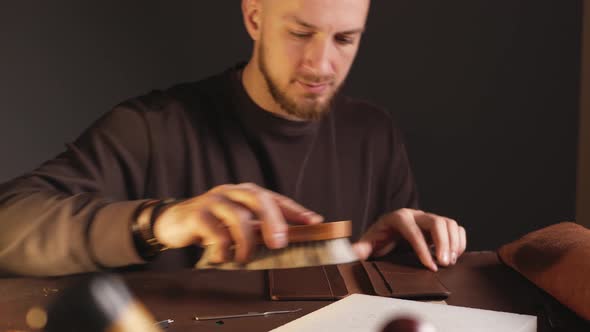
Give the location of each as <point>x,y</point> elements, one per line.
<point>236,217</point>
<point>437,228</point>
<point>362,249</point>
<point>272,223</point>
<point>454,239</point>
<point>290,209</point>
<point>463,240</point>
<point>214,235</point>
<point>377,241</point>
<point>294,211</point>
<point>406,225</point>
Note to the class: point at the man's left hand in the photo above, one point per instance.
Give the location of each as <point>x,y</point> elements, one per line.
<point>419,229</point>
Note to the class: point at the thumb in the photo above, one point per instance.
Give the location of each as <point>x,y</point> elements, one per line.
<point>377,241</point>
<point>362,249</point>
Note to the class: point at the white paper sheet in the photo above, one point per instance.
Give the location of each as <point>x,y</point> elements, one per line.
<point>366,313</point>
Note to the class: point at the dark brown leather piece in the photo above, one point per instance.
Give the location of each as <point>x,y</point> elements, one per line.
<point>307,283</point>
<point>337,281</point>
<point>356,279</point>
<point>411,283</point>
<point>379,285</point>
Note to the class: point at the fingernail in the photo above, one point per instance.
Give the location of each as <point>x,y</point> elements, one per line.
<point>434,267</point>
<point>445,258</point>
<point>317,218</point>
<point>279,239</point>
<point>454,257</point>
<point>312,216</point>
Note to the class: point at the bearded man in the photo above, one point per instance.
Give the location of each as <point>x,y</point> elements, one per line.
<point>263,144</point>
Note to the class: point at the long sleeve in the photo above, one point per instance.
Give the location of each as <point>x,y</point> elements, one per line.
<point>73,213</point>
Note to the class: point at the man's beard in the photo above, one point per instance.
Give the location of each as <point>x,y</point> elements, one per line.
<point>313,110</point>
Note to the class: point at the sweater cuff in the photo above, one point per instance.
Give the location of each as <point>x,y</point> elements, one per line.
<point>111,240</point>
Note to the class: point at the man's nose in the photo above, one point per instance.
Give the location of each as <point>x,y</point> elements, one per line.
<point>318,58</point>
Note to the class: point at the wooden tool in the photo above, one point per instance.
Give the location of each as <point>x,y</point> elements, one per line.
<point>309,245</point>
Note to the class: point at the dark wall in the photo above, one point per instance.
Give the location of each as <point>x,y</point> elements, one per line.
<point>486,91</point>
<point>583,183</point>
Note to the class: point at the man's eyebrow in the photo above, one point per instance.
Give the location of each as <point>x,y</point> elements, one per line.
<point>353,31</point>
<point>301,22</point>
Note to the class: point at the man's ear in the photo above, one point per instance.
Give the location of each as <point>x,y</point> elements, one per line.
<point>252,11</point>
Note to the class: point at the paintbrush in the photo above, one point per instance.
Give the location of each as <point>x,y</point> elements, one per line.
<point>309,245</point>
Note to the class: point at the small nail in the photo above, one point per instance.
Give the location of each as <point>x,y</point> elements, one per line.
<point>445,258</point>
<point>280,240</point>
<point>453,257</point>
<point>434,267</point>
<point>317,218</point>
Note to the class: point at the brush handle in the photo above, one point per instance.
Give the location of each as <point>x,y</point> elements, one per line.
<point>316,232</point>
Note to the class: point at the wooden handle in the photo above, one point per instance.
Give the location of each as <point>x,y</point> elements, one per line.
<point>316,232</point>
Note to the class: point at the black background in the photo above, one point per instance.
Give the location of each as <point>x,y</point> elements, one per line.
<point>486,91</point>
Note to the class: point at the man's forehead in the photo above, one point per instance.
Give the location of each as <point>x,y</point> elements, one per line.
<point>338,15</point>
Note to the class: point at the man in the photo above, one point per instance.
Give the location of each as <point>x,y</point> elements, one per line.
<point>208,163</point>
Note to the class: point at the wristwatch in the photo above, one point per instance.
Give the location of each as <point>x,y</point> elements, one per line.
<point>142,228</point>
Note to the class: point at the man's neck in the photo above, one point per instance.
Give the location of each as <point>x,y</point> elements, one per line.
<point>257,89</point>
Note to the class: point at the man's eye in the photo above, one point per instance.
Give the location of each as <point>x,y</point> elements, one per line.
<point>344,40</point>
<point>300,34</point>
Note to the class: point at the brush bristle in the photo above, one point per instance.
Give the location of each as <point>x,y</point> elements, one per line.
<point>328,252</point>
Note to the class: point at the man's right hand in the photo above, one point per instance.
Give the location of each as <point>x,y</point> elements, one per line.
<point>230,215</point>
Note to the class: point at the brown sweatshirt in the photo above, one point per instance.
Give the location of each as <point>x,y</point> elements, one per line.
<point>73,213</point>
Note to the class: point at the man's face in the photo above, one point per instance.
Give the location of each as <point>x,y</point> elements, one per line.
<point>306,49</point>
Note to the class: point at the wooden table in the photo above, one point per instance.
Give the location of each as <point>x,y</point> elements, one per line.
<point>478,280</point>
